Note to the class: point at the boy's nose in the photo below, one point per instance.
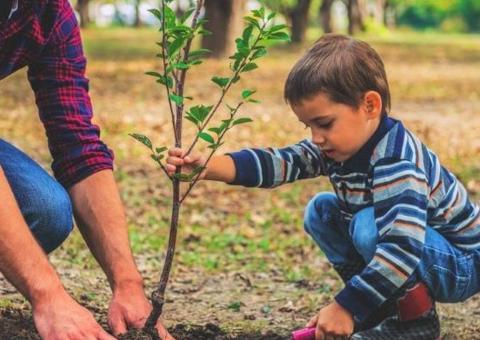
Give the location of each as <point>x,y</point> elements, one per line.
<point>318,139</point>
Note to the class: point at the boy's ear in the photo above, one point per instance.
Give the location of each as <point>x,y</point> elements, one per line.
<point>372,103</point>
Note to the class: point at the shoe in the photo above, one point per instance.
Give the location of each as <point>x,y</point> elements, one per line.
<point>416,319</point>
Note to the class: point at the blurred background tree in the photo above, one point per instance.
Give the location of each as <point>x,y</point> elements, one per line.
<point>344,16</point>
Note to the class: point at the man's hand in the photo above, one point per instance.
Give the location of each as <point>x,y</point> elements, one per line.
<point>59,317</point>
<point>130,308</point>
<point>333,321</point>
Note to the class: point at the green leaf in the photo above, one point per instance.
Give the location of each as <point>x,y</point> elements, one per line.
<point>177,99</point>
<point>157,158</point>
<point>279,36</point>
<point>253,101</point>
<point>271,16</point>
<point>242,120</point>
<point>142,139</point>
<point>218,130</point>
<point>181,66</point>
<point>215,146</point>
<point>198,53</point>
<point>182,177</point>
<point>154,74</point>
<point>247,33</point>
<point>235,79</point>
<point>247,93</point>
<point>192,119</point>
<point>187,14</point>
<point>206,137</point>
<point>170,17</point>
<point>197,170</point>
<point>165,81</point>
<point>222,82</point>
<point>156,13</point>
<point>161,149</point>
<point>175,46</point>
<point>259,53</point>
<point>252,21</point>
<point>200,112</point>
<point>249,67</point>
<point>259,13</point>
<point>277,28</point>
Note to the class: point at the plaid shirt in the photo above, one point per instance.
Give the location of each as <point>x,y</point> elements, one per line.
<point>44,35</point>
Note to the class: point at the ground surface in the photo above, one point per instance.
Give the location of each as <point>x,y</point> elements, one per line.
<point>243,262</point>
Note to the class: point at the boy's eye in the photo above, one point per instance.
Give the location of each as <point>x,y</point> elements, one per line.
<point>325,125</point>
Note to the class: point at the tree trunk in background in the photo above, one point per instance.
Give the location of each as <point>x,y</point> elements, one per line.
<point>379,14</point>
<point>326,16</point>
<point>137,22</point>
<point>225,22</point>
<point>82,9</point>
<point>356,10</point>
<point>390,15</point>
<point>299,20</point>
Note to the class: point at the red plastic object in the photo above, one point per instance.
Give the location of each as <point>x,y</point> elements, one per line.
<point>304,334</point>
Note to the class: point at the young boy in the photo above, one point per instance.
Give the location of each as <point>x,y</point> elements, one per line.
<point>399,229</point>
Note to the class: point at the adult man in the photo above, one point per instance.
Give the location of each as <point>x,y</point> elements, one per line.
<point>36,211</point>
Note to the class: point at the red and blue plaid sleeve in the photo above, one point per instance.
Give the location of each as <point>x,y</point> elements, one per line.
<point>57,77</point>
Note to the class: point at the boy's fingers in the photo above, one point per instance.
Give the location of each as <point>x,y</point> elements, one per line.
<point>312,322</point>
<point>175,161</point>
<point>175,152</point>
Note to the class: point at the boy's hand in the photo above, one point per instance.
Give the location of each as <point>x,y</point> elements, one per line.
<point>332,321</point>
<point>176,157</point>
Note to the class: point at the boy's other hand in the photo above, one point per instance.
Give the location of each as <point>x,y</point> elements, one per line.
<point>333,321</point>
<point>176,157</point>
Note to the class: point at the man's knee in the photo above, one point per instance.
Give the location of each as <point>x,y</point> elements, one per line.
<point>51,219</point>
<point>319,211</point>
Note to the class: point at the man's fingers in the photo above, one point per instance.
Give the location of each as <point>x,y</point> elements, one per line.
<point>162,332</point>
<point>105,336</point>
<point>118,325</point>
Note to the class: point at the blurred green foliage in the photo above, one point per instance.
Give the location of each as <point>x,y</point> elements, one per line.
<point>449,15</point>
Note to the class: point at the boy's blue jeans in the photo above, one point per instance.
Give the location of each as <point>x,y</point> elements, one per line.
<point>451,274</point>
<point>44,203</point>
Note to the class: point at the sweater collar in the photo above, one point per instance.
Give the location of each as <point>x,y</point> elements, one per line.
<point>361,160</point>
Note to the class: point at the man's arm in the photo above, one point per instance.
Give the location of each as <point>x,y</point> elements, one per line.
<point>25,265</point>
<point>101,219</point>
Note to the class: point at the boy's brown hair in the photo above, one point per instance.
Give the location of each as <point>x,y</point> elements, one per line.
<point>342,68</point>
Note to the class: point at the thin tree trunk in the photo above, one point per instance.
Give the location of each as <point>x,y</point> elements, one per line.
<point>82,9</point>
<point>224,21</point>
<point>299,20</point>
<point>326,16</point>
<point>137,22</point>
<point>355,16</point>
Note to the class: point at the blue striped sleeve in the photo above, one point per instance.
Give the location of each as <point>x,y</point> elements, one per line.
<point>271,167</point>
<point>400,196</point>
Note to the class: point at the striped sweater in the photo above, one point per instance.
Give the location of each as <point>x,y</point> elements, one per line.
<point>406,185</point>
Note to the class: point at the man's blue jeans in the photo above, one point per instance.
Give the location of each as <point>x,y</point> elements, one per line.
<point>451,274</point>
<point>44,203</point>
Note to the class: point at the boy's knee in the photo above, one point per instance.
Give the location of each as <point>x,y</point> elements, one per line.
<point>318,210</point>
<point>364,233</point>
<point>52,221</point>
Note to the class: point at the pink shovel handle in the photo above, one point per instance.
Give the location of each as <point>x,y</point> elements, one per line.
<point>304,334</point>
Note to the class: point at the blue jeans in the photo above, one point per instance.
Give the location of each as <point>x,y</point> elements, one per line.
<point>451,274</point>
<point>44,203</point>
